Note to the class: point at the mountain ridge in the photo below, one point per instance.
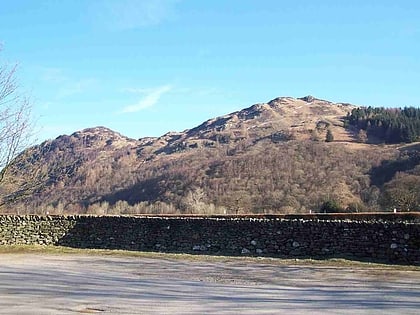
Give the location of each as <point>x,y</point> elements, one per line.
<point>216,123</point>
<point>266,157</point>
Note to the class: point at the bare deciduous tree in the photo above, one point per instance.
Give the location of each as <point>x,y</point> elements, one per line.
<point>15,120</point>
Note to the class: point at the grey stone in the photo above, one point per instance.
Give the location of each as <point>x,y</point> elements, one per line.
<point>245,251</point>
<point>375,239</point>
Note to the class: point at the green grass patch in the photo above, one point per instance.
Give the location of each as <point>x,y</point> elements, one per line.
<point>331,262</point>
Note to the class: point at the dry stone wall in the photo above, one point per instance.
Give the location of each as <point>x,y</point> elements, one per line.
<point>374,240</point>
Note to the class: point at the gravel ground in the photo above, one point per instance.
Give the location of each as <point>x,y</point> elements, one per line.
<point>69,284</point>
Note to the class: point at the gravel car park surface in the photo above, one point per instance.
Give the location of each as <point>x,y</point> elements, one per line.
<point>77,283</point>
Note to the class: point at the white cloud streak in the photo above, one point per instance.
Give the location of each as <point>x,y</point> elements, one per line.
<point>64,85</point>
<point>53,75</point>
<point>132,14</point>
<point>76,87</point>
<point>149,100</point>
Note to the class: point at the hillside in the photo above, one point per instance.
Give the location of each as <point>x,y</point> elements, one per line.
<point>270,157</point>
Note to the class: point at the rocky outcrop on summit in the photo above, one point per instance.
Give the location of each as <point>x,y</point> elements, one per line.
<point>96,137</point>
<point>287,116</point>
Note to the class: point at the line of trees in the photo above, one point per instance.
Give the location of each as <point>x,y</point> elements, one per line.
<point>392,125</point>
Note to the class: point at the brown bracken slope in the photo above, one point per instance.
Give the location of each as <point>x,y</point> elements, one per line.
<point>268,158</point>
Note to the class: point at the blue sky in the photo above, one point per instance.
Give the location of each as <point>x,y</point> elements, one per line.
<point>143,68</point>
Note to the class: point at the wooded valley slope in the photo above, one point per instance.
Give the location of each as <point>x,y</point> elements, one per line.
<point>285,156</point>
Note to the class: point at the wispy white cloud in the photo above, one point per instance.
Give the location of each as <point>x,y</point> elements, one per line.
<point>53,75</point>
<point>66,85</point>
<point>150,98</point>
<point>132,14</point>
<point>76,87</point>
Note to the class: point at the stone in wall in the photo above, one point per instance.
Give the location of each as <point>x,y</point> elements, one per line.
<point>374,240</point>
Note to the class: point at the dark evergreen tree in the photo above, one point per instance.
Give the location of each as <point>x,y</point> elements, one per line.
<point>331,206</point>
<point>329,137</point>
<point>392,125</point>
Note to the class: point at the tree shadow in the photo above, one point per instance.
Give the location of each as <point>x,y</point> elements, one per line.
<point>113,284</point>
<point>210,237</point>
<point>145,190</point>
<point>383,173</point>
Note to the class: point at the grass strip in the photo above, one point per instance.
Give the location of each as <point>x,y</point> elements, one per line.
<point>330,262</point>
